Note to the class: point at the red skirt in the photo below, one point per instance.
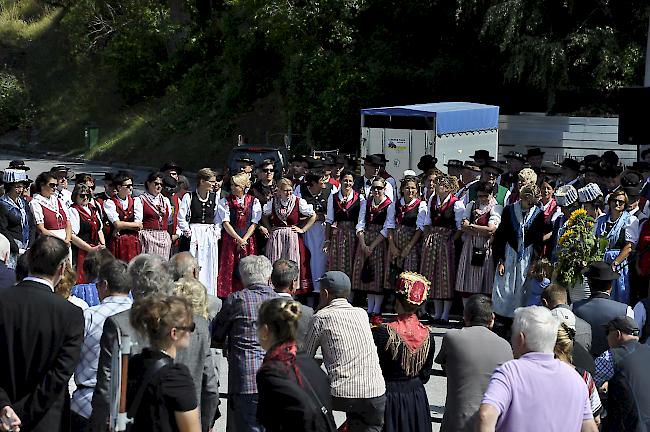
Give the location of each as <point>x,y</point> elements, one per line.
<point>229,255</point>
<point>125,246</point>
<point>306,284</point>
<point>78,258</point>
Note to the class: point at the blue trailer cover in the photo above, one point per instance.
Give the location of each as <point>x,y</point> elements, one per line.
<point>451,117</point>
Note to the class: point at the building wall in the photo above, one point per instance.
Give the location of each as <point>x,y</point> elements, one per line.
<point>561,136</point>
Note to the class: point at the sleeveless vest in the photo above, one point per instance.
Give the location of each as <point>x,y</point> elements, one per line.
<point>407,215</point>
<point>292,219</point>
<point>127,215</point>
<point>349,212</point>
<point>88,225</point>
<point>378,215</point>
<point>319,202</point>
<point>444,216</point>
<point>202,212</point>
<point>152,218</point>
<point>240,216</point>
<point>54,220</point>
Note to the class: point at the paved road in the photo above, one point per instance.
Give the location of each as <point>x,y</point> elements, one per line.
<point>436,387</point>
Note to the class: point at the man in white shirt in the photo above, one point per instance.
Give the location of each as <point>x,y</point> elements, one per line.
<point>62,174</point>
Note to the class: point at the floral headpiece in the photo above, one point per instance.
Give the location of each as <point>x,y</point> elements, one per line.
<point>413,286</point>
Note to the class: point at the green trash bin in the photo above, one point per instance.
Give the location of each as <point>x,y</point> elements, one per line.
<point>91,136</point>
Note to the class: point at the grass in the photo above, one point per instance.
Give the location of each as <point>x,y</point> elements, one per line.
<point>22,21</point>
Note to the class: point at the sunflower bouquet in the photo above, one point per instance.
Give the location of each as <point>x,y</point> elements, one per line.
<point>578,247</point>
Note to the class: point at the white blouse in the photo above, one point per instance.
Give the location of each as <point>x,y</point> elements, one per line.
<point>111,210</point>
<point>52,203</point>
<point>224,210</point>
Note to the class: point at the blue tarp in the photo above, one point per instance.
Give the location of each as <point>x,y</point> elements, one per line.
<point>451,117</point>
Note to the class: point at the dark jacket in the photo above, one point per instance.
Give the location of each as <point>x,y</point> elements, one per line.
<point>41,335</point>
<point>11,226</point>
<point>284,405</point>
<point>598,310</point>
<point>507,233</point>
<point>7,276</point>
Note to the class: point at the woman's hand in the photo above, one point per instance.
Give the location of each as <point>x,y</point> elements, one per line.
<point>464,223</point>
<point>394,251</point>
<point>297,229</point>
<point>264,231</point>
<point>9,421</point>
<point>405,251</point>
<point>242,243</point>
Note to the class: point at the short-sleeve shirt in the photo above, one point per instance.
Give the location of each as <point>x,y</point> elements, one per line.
<point>169,391</point>
<point>537,389</point>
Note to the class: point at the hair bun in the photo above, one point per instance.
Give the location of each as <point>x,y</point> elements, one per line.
<point>291,311</point>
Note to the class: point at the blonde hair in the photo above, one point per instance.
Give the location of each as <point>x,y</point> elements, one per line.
<point>530,191</point>
<point>528,176</point>
<point>241,179</point>
<point>380,180</point>
<point>205,174</point>
<point>448,181</point>
<point>69,279</point>
<point>563,345</point>
<point>284,182</point>
<point>195,292</point>
<point>618,192</point>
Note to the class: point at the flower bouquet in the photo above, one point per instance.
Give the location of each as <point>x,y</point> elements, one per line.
<point>577,248</point>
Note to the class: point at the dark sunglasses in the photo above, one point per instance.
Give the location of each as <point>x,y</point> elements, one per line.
<point>158,184</point>
<point>190,328</point>
<point>617,202</point>
<point>219,178</point>
<point>377,188</point>
<point>130,185</point>
<point>52,185</point>
<point>82,196</point>
<point>268,170</point>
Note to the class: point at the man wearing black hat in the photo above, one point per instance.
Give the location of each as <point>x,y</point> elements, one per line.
<point>599,309</point>
<point>570,173</point>
<point>298,169</point>
<point>490,171</point>
<point>62,173</point>
<point>625,368</point>
<point>515,161</point>
<point>455,168</point>
<point>329,171</point>
<point>171,169</point>
<point>481,157</point>
<point>535,157</point>
<point>371,167</point>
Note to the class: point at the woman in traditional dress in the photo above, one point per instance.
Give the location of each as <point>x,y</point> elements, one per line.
<point>441,224</point>
<point>198,220</point>
<point>240,214</point>
<point>480,221</point>
<point>19,226</point>
<point>343,209</point>
<point>404,241</point>
<point>621,229</point>
<point>281,218</point>
<point>87,235</point>
<point>376,223</point>
<point>406,349</point>
<point>156,213</point>
<point>50,214</point>
<point>316,191</point>
<point>550,209</point>
<point>516,241</point>
<point>430,183</point>
<point>125,214</point>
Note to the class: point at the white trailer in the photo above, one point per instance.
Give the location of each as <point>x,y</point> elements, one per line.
<point>446,130</point>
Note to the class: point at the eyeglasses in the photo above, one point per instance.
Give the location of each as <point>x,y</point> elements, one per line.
<point>377,188</point>
<point>618,202</point>
<point>130,185</point>
<point>190,328</point>
<point>84,196</point>
<point>158,184</point>
<point>219,178</point>
<point>52,185</point>
<point>268,170</point>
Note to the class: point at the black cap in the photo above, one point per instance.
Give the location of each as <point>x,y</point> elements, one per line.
<point>624,324</point>
<point>59,168</point>
<point>515,155</point>
<point>169,182</point>
<point>535,151</point>
<point>171,166</point>
<point>108,176</point>
<point>610,158</point>
<point>382,156</point>
<point>492,165</point>
<point>600,270</point>
<point>335,279</point>
<point>328,161</point>
<point>572,164</point>
<point>550,169</point>
<point>454,163</point>
<point>632,182</point>
<point>18,164</point>
<point>481,154</point>
<point>373,160</point>
<point>427,162</point>
<point>298,158</point>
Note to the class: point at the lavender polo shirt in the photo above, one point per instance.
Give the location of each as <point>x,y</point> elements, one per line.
<point>538,393</point>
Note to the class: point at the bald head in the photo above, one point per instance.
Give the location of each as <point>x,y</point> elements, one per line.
<point>184,265</point>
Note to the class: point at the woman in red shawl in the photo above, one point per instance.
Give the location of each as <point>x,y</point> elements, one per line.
<point>240,214</point>
<point>551,211</point>
<point>406,349</point>
<point>87,235</point>
<point>121,211</point>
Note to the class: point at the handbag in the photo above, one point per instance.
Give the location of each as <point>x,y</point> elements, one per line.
<point>478,256</point>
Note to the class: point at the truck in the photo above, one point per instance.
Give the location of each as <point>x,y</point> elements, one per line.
<point>445,130</point>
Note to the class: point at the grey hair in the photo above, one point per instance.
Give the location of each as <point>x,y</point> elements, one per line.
<point>255,270</point>
<point>182,183</point>
<point>539,326</point>
<point>150,275</point>
<point>284,273</point>
<point>182,265</point>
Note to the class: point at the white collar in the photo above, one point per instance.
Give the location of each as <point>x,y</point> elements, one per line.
<point>350,195</point>
<point>41,281</point>
<point>284,294</point>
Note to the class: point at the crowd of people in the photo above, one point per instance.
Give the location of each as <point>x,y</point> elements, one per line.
<point>277,269</point>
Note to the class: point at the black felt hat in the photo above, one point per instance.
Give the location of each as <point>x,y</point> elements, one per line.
<point>535,151</point>
<point>18,164</point>
<point>515,155</point>
<point>373,160</point>
<point>454,163</point>
<point>492,165</point>
<point>427,162</point>
<point>600,270</point>
<point>171,166</point>
<point>632,182</point>
<point>572,164</point>
<point>481,154</point>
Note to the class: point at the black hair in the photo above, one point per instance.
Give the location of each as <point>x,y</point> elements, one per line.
<point>116,275</point>
<point>46,255</point>
<point>345,173</point>
<point>43,179</point>
<point>153,176</point>
<point>284,273</point>
<point>478,310</point>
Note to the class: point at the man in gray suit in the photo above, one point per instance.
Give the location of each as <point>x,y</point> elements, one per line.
<point>285,279</point>
<point>149,275</point>
<point>468,357</point>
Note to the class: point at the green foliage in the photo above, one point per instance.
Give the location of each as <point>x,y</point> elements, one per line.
<point>15,108</point>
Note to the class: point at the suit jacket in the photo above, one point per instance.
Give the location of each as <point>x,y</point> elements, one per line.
<point>11,227</point>
<point>303,323</point>
<point>7,276</point>
<point>41,335</point>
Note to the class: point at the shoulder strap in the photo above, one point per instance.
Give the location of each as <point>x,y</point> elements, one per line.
<point>330,427</point>
<point>151,372</point>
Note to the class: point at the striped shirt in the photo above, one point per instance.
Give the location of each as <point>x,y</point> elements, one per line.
<point>349,352</point>
<point>235,329</point>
